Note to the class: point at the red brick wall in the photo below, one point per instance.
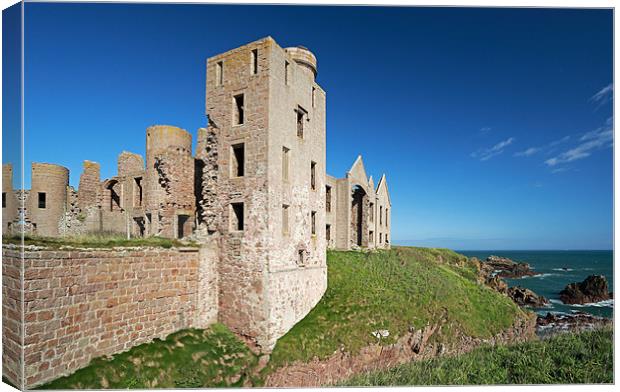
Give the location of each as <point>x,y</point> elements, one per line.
<point>11,316</point>
<point>84,304</point>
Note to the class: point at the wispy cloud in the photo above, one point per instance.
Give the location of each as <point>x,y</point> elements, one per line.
<point>603,95</point>
<point>527,153</point>
<point>484,154</point>
<point>485,130</point>
<point>588,143</point>
<point>546,148</point>
<point>559,141</point>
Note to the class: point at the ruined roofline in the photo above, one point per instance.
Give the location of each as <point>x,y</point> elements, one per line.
<point>383,183</point>
<point>240,48</point>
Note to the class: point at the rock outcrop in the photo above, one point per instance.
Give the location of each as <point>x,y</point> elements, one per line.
<point>506,268</point>
<point>495,268</point>
<point>497,284</point>
<point>552,323</point>
<point>526,297</point>
<point>593,289</point>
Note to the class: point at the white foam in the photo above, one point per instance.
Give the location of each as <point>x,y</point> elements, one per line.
<point>608,303</point>
<point>540,276</point>
<point>563,269</point>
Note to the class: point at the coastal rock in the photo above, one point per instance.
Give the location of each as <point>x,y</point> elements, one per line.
<point>593,289</point>
<point>526,297</point>
<point>497,284</point>
<point>553,323</point>
<point>507,268</point>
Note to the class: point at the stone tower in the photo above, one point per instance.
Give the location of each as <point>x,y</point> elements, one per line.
<point>10,203</point>
<point>266,155</point>
<point>47,201</point>
<point>170,201</point>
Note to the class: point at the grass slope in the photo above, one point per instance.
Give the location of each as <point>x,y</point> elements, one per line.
<point>190,358</point>
<point>394,290</point>
<point>96,241</point>
<point>564,359</point>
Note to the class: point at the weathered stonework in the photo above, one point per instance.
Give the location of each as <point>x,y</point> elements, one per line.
<point>255,196</point>
<point>10,204</point>
<point>360,214</point>
<point>81,304</point>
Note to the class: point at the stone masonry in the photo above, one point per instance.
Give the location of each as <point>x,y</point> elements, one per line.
<point>83,304</point>
<point>255,196</point>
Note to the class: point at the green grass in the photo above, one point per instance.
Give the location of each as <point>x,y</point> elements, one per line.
<point>394,290</point>
<point>96,241</point>
<point>564,359</point>
<point>186,359</point>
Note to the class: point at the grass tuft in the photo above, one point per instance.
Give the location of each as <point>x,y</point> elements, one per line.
<point>104,240</point>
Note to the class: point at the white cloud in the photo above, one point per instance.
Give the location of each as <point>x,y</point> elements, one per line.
<point>485,154</point>
<point>546,148</point>
<point>603,95</point>
<point>589,142</point>
<point>559,141</point>
<point>528,153</point>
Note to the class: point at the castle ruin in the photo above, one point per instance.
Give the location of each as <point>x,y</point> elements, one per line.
<point>254,195</point>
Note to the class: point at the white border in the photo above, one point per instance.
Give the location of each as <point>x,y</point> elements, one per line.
<point>455,3</point>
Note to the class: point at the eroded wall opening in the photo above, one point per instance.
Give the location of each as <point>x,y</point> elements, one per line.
<point>42,200</point>
<point>114,198</point>
<point>236,216</point>
<point>301,114</point>
<point>359,214</point>
<point>137,192</point>
<point>254,61</point>
<point>238,160</point>
<point>239,109</point>
<point>139,228</point>
<point>183,224</point>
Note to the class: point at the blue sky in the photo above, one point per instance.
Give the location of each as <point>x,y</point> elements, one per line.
<point>494,126</point>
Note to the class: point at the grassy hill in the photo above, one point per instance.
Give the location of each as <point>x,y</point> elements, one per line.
<point>367,291</point>
<point>394,290</point>
<point>564,359</point>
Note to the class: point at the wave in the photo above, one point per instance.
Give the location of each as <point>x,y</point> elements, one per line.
<point>539,276</point>
<point>563,269</point>
<point>608,303</point>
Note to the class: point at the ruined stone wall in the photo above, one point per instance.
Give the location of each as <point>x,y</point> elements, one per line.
<point>297,254</point>
<point>10,209</point>
<point>343,217</point>
<point>73,221</point>
<point>52,181</point>
<point>89,189</point>
<point>169,187</point>
<point>129,164</point>
<point>81,304</point>
<point>12,334</point>
<point>383,219</point>
<point>332,214</point>
<point>209,209</point>
<point>243,253</point>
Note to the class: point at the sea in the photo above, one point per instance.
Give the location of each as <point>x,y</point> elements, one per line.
<point>555,270</point>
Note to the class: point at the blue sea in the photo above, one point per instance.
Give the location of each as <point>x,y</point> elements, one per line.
<point>556,269</point>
